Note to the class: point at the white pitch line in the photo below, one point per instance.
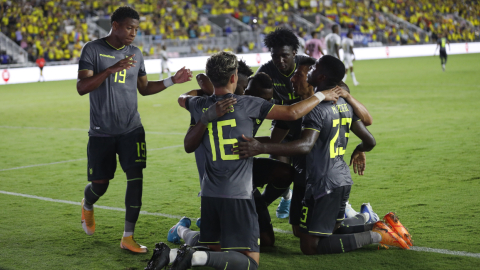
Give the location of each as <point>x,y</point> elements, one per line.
<point>415,248</point>
<point>86,130</point>
<point>73,160</point>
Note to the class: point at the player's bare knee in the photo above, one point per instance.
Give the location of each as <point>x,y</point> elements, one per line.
<point>308,244</point>
<point>267,239</point>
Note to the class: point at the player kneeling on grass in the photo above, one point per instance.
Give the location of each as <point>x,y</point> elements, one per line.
<point>111,70</point>
<point>229,219</point>
<point>324,140</point>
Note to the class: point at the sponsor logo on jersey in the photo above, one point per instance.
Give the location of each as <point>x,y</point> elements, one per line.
<point>106,55</point>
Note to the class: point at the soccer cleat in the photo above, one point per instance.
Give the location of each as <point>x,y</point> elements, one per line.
<point>367,208</point>
<point>355,83</point>
<point>199,220</point>
<point>283,209</point>
<point>88,220</point>
<point>183,260</point>
<point>389,237</point>
<point>132,245</point>
<point>173,236</point>
<point>349,211</point>
<point>392,220</point>
<point>160,257</point>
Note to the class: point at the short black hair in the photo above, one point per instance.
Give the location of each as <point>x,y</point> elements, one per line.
<point>262,80</point>
<point>244,69</point>
<point>332,68</point>
<point>344,86</point>
<point>334,26</point>
<point>122,13</point>
<point>281,37</point>
<point>349,32</point>
<point>313,33</point>
<point>220,66</point>
<point>306,61</point>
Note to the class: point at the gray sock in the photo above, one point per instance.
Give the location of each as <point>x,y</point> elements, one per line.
<point>363,239</point>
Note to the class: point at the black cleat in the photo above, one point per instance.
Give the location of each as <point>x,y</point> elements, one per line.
<point>183,260</point>
<point>160,257</point>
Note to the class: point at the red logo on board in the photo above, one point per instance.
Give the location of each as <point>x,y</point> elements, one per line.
<point>259,59</point>
<point>5,75</point>
<point>387,51</point>
<point>466,47</point>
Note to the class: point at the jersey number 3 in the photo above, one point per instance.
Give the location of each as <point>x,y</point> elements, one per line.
<point>221,141</point>
<point>340,151</point>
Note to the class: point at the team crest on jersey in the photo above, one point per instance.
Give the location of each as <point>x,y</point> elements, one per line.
<point>259,121</point>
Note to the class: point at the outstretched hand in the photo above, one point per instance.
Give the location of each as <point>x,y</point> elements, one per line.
<point>249,148</point>
<point>182,75</point>
<point>332,94</point>
<point>359,161</point>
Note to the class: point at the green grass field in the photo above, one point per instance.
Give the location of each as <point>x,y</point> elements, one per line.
<point>425,167</point>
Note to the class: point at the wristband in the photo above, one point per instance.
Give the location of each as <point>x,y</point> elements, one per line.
<point>320,96</point>
<point>168,82</point>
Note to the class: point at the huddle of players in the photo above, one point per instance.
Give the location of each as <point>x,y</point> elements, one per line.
<point>229,215</point>
<point>234,214</point>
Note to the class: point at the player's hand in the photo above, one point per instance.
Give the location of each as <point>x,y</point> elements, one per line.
<point>223,106</point>
<point>205,84</point>
<point>344,93</point>
<point>126,63</point>
<point>359,161</point>
<point>249,148</point>
<point>332,94</point>
<point>182,75</point>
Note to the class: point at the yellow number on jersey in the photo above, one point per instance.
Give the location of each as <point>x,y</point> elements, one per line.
<point>222,141</point>
<point>123,74</point>
<point>339,151</point>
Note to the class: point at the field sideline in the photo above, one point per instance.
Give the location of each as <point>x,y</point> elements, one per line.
<point>424,167</point>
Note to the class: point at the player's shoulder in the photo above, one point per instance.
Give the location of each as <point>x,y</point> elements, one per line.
<point>266,67</point>
<point>300,57</point>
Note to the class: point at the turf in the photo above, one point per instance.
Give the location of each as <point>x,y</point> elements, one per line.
<point>424,167</point>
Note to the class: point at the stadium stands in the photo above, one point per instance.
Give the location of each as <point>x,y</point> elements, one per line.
<point>57,30</point>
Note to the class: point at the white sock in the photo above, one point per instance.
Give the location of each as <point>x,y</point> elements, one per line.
<point>173,254</point>
<point>181,230</point>
<point>169,74</point>
<point>353,76</point>
<point>376,237</point>
<point>161,75</point>
<point>366,215</point>
<point>344,77</point>
<point>199,258</point>
<point>127,234</point>
<point>287,195</point>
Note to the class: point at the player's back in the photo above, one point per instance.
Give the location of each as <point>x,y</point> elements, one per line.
<point>226,175</point>
<point>326,169</point>
<point>332,39</point>
<point>347,45</point>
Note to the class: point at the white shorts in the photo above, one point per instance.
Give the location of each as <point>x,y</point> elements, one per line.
<point>347,60</point>
<point>164,65</point>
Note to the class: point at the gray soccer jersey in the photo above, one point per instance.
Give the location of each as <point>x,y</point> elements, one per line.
<point>326,169</point>
<point>113,105</point>
<point>282,86</point>
<point>226,175</point>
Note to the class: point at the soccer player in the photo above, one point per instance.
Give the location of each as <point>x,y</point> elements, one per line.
<point>40,63</point>
<point>229,219</point>
<point>442,43</point>
<point>283,45</point>
<point>314,48</point>
<point>348,56</point>
<point>164,60</point>
<point>111,70</point>
<point>323,140</point>
<point>333,41</point>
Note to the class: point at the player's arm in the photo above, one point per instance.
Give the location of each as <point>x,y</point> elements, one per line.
<point>194,135</point>
<point>206,88</point>
<point>358,108</point>
<point>300,109</point>
<point>448,42</point>
<point>87,81</point>
<point>351,51</point>
<point>337,49</point>
<point>277,135</point>
<point>301,146</point>
<point>358,159</point>
<point>146,87</point>
<point>320,49</point>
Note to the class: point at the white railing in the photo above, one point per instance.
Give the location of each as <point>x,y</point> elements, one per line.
<point>19,55</point>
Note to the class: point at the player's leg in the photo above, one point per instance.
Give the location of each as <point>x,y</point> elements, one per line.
<point>318,221</point>
<point>168,72</point>
<point>161,71</point>
<point>296,208</point>
<point>355,224</point>
<point>267,236</point>
<point>182,230</point>
<point>132,152</point>
<point>278,177</point>
<point>102,164</point>
<point>355,82</point>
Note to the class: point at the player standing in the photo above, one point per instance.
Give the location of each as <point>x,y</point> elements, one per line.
<point>40,63</point>
<point>111,70</point>
<point>333,41</point>
<point>314,48</point>
<point>348,56</point>
<point>442,43</point>
<point>164,60</point>
<point>283,45</point>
